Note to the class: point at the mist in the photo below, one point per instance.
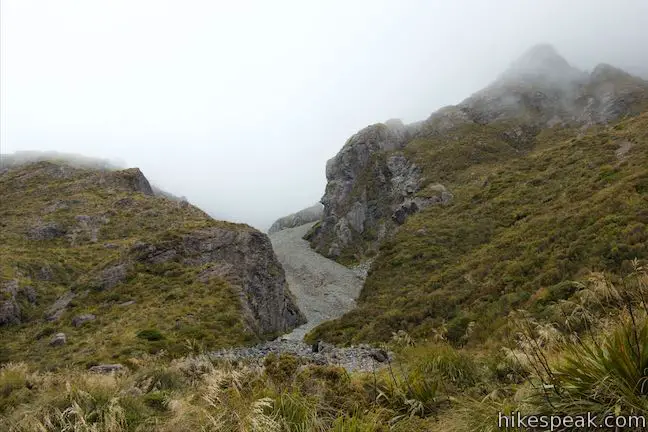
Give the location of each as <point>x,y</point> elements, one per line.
<point>238,105</point>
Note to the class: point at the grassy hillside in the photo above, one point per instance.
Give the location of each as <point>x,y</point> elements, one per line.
<point>429,386</point>
<point>75,233</point>
<point>528,217</point>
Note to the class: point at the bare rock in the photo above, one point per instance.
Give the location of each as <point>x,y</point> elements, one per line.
<point>624,148</point>
<point>112,276</point>
<point>9,308</point>
<point>56,310</point>
<point>79,320</point>
<point>380,355</point>
<point>45,273</point>
<point>369,194</point>
<point>107,368</point>
<point>128,303</point>
<point>45,231</point>
<point>58,339</point>
<point>132,180</point>
<point>245,259</point>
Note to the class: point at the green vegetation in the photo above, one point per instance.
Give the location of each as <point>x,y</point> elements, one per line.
<point>526,217</point>
<point>99,220</point>
<point>543,368</point>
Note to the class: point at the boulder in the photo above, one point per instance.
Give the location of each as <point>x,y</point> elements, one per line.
<point>79,320</point>
<point>107,368</point>
<point>45,231</point>
<point>380,355</point>
<point>58,339</point>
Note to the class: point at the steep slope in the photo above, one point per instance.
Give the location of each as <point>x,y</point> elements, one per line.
<point>323,288</point>
<point>93,254</point>
<point>537,182</point>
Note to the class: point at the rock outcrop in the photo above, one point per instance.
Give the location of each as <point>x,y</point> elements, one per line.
<point>371,188</point>
<point>9,307</point>
<point>307,215</point>
<point>58,339</point>
<point>244,258</point>
<point>79,320</point>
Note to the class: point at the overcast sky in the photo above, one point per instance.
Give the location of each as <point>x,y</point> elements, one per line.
<point>238,104</point>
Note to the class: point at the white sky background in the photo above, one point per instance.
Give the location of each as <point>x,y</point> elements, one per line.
<point>238,104</point>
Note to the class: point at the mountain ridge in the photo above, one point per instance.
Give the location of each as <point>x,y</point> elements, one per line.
<point>391,198</point>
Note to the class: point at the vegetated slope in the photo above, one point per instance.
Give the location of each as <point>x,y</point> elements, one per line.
<point>74,160</point>
<point>94,255</point>
<point>545,187</point>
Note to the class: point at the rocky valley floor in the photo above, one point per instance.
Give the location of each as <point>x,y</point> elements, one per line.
<point>324,290</point>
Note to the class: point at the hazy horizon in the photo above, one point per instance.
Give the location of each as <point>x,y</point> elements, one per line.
<point>238,106</point>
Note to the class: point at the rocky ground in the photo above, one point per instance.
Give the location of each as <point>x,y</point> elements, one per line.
<point>355,358</point>
<point>324,290</point>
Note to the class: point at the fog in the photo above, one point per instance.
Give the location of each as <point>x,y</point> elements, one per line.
<point>238,105</point>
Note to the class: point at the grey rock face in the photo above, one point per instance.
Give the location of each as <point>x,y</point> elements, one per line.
<point>87,228</point>
<point>9,308</point>
<point>58,339</point>
<point>243,257</point>
<point>79,320</point>
<point>307,215</point>
<point>45,274</point>
<point>371,189</point>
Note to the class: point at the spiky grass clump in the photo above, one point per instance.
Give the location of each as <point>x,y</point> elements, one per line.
<point>608,376</point>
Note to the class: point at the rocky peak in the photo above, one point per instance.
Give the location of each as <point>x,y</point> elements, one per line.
<point>605,72</point>
<point>540,61</point>
<point>541,90</point>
